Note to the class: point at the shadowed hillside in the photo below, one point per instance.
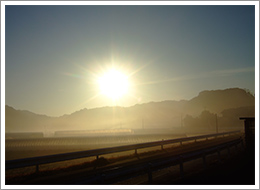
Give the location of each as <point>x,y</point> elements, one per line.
<point>218,100</point>
<point>24,121</point>
<point>229,104</point>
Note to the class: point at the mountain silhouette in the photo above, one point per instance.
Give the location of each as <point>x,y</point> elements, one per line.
<point>218,100</point>
<point>24,121</point>
<point>152,115</point>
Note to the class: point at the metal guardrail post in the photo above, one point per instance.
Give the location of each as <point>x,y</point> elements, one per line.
<point>181,167</point>
<point>162,145</point>
<point>228,148</point>
<point>37,168</point>
<point>242,144</point>
<point>219,156</point>
<point>204,161</point>
<point>150,175</point>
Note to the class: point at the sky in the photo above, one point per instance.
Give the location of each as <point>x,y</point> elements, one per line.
<point>54,54</point>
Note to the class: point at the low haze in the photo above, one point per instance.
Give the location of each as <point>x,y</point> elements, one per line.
<point>56,56</point>
<point>197,115</point>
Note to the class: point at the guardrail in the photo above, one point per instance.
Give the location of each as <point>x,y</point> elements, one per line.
<point>118,174</point>
<point>36,161</point>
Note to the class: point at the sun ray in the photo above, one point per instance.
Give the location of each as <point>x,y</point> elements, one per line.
<point>209,74</point>
<point>159,81</point>
<point>74,75</point>
<point>138,70</point>
<point>87,101</point>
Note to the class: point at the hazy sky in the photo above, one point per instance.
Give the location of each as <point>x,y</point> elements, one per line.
<point>55,53</point>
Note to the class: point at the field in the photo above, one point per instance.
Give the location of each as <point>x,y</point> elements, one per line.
<point>24,148</point>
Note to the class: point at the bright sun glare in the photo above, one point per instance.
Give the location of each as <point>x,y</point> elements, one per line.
<point>113,84</point>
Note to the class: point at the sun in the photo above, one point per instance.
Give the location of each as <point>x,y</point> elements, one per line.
<point>114,84</point>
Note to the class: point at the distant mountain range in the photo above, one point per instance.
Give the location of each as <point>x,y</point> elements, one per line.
<point>232,102</point>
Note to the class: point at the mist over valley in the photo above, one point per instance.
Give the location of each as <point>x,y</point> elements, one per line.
<point>197,115</point>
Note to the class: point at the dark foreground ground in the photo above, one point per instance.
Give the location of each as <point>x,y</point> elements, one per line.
<point>238,170</point>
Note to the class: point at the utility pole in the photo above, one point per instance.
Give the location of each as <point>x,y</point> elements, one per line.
<point>217,123</point>
<point>181,120</point>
